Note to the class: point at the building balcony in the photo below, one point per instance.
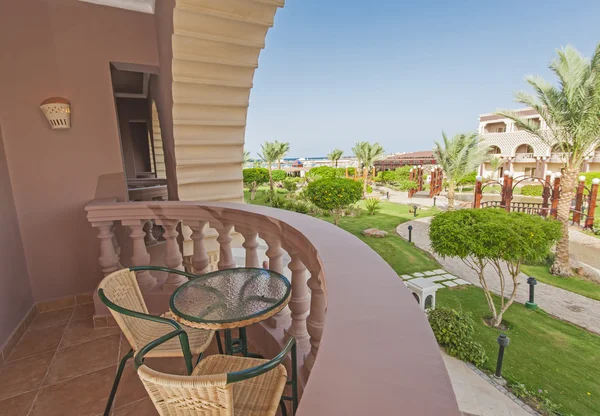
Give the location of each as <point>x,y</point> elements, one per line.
<point>596,158</point>
<point>364,344</point>
<point>524,157</point>
<point>558,157</point>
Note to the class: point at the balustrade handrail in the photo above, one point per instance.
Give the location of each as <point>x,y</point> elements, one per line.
<point>376,352</point>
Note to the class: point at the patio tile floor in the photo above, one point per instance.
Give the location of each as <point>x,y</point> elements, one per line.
<point>63,366</point>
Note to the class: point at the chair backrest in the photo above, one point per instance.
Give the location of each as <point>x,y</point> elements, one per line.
<point>121,288</point>
<point>175,395</point>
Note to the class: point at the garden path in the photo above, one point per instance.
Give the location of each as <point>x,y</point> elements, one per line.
<point>568,306</point>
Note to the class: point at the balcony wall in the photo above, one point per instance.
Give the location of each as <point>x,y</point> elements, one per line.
<point>15,290</point>
<point>63,48</point>
<point>365,345</point>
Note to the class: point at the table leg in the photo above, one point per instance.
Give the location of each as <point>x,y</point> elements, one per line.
<point>238,345</point>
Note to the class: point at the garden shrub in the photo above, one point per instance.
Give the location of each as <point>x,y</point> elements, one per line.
<point>386,176</point>
<point>454,331</point>
<point>278,175</point>
<point>406,185</point>
<point>372,205</point>
<point>326,172</point>
<point>290,185</point>
<point>334,195</point>
<point>402,173</point>
<point>532,190</point>
<point>589,176</point>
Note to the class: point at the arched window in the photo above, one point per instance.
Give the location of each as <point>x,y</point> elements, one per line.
<point>524,148</point>
<point>429,302</point>
<point>494,150</point>
<point>416,297</point>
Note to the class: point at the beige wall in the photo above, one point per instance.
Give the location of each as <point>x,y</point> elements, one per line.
<point>493,127</point>
<point>63,48</point>
<point>15,290</point>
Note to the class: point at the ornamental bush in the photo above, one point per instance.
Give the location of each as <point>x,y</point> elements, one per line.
<point>278,175</point>
<point>406,185</point>
<point>334,194</point>
<point>253,178</point>
<point>532,190</point>
<point>372,205</point>
<point>323,172</point>
<point>402,173</point>
<point>386,176</point>
<point>454,331</point>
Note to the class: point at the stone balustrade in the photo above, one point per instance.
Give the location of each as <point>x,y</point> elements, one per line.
<point>365,345</point>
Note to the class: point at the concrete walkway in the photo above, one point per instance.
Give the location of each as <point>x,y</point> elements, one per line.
<point>568,306</point>
<point>477,396</point>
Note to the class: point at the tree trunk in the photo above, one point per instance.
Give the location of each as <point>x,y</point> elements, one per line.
<point>278,164</point>
<point>451,196</point>
<point>253,191</point>
<point>336,161</point>
<point>562,263</point>
<point>270,178</point>
<point>365,177</point>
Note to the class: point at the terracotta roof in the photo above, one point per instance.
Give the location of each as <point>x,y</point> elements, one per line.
<point>413,155</point>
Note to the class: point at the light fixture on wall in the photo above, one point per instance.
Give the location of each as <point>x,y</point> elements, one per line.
<point>58,112</point>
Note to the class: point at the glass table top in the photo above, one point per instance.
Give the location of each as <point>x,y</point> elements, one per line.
<point>231,295</point>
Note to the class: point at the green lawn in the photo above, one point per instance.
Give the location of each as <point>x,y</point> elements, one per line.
<point>404,257</point>
<point>544,353</point>
<point>575,284</point>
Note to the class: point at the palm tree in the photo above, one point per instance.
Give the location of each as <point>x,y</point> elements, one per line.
<point>246,157</point>
<point>282,149</point>
<point>570,110</point>
<point>495,163</point>
<point>269,154</point>
<point>334,156</point>
<point>458,156</point>
<point>366,154</point>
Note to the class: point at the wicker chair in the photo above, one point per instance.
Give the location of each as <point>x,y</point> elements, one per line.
<point>121,293</point>
<point>221,385</point>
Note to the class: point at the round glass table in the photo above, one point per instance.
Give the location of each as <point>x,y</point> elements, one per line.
<point>229,299</point>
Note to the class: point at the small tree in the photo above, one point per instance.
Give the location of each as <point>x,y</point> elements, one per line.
<point>495,238</point>
<point>253,178</point>
<point>334,195</point>
<point>386,176</point>
<point>269,154</point>
<point>402,173</point>
<point>469,179</point>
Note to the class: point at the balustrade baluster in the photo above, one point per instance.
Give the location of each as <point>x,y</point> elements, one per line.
<point>200,260</point>
<point>275,254</point>
<point>226,260</point>
<point>300,302</point>
<point>173,257</point>
<point>251,245</point>
<point>149,237</point>
<point>109,258</point>
<point>140,256</point>
<point>316,319</point>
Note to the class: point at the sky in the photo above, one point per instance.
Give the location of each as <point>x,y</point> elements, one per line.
<point>399,72</point>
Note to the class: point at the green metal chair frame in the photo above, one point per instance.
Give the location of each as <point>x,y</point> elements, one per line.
<point>244,374</point>
<point>183,338</point>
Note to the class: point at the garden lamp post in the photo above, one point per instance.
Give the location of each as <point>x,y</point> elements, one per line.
<point>415,210</point>
<point>530,304</point>
<point>503,342</point>
<point>410,233</point>
<point>434,201</point>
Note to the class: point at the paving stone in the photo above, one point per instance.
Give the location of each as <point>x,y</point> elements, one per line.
<point>449,283</point>
<point>418,274</point>
<point>461,282</point>
<point>406,277</point>
<point>429,273</point>
<point>438,278</point>
<point>449,276</point>
<point>424,283</point>
<point>439,271</point>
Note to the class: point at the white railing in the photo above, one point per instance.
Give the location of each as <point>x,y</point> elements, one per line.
<point>367,347</point>
<point>524,157</point>
<point>558,157</point>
